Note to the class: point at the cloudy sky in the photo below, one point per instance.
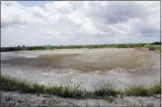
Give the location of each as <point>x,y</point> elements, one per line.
<point>79,22</point>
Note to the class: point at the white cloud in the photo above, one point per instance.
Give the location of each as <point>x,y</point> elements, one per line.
<point>79,22</point>
<point>64,7</point>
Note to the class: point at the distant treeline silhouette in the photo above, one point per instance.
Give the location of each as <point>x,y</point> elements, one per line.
<point>157,43</point>
<point>129,45</point>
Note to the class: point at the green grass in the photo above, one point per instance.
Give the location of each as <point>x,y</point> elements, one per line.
<point>147,45</point>
<point>15,84</point>
<point>137,91</point>
<point>157,47</point>
<point>143,91</point>
<point>106,90</point>
<point>155,89</point>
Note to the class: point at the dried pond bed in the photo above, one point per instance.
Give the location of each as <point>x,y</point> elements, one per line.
<point>88,67</point>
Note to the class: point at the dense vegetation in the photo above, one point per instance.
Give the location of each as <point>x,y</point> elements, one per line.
<point>139,45</point>
<point>14,84</point>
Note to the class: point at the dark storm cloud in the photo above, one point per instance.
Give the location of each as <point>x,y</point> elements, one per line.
<point>114,13</point>
<point>15,22</point>
<point>148,31</point>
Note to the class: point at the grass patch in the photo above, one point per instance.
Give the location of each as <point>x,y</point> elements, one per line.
<point>14,84</point>
<point>143,91</point>
<point>137,91</point>
<point>157,47</point>
<point>155,89</point>
<point>106,90</point>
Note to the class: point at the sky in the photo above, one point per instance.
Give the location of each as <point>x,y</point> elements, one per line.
<point>33,23</point>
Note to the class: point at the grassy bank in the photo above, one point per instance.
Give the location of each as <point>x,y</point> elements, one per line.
<point>139,45</point>
<point>14,84</point>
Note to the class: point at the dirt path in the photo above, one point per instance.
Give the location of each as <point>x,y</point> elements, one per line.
<point>14,99</point>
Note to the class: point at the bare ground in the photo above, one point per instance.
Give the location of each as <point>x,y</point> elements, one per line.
<point>14,99</point>
<point>92,67</point>
<point>88,67</point>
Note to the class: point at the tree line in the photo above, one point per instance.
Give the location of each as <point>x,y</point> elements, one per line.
<point>137,45</point>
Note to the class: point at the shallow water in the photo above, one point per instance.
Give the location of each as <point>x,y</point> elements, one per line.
<point>88,67</point>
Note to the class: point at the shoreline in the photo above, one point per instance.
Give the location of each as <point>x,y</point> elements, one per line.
<point>9,83</point>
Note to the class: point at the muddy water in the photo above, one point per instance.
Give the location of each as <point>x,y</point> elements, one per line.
<point>88,67</point>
